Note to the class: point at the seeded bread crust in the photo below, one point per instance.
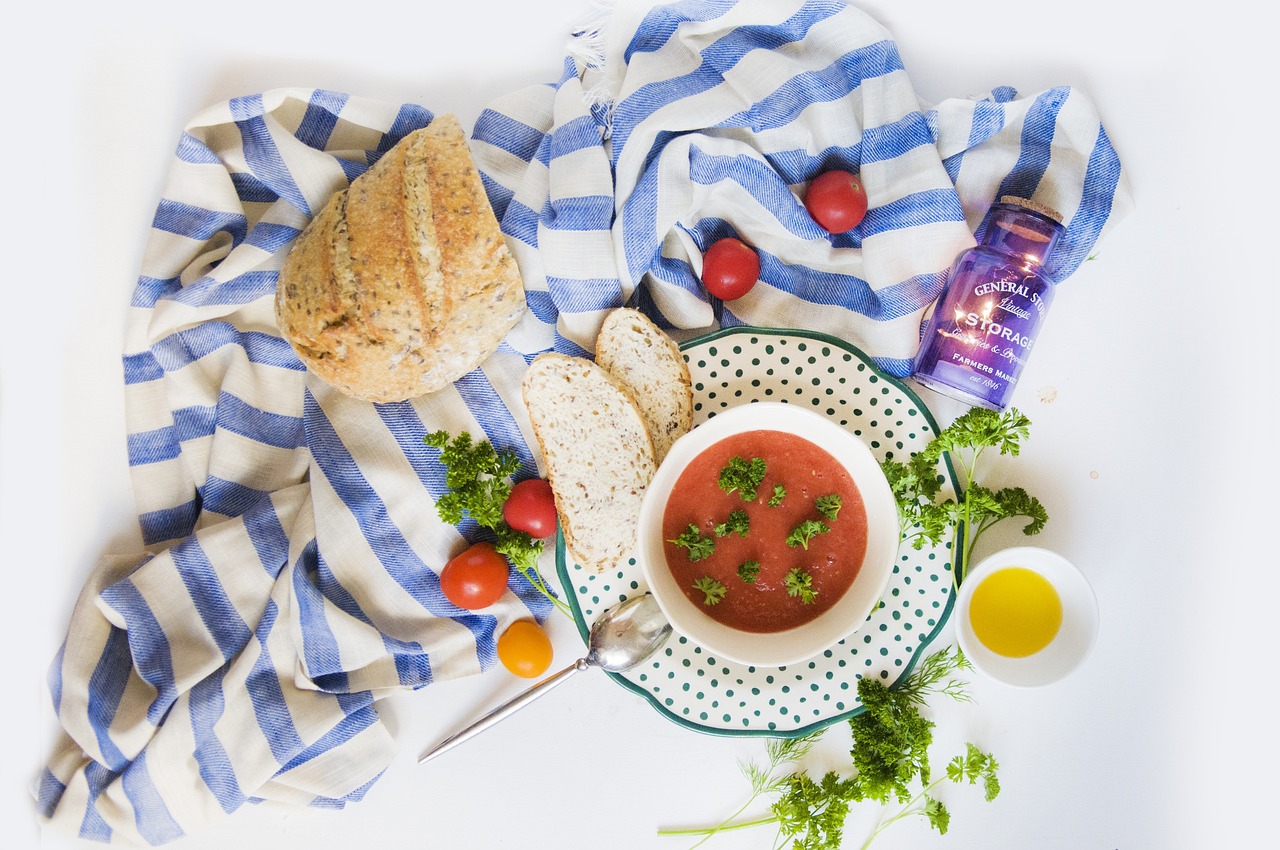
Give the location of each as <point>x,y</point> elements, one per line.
<point>479,271</point>
<point>597,453</point>
<point>649,364</point>
<point>403,283</point>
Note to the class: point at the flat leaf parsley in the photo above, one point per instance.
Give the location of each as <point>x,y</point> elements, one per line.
<point>805,531</point>
<point>712,590</point>
<point>916,485</point>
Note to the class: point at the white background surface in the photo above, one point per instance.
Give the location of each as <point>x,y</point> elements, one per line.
<point>1155,460</point>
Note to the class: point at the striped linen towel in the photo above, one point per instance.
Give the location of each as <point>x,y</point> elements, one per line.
<point>290,577</point>
<point>679,124</point>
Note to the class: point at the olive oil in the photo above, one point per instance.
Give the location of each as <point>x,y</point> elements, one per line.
<point>1015,612</point>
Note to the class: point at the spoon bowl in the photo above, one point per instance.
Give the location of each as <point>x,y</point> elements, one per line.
<point>623,637</point>
<point>627,634</point>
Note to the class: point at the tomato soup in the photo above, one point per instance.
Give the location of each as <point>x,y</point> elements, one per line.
<point>773,560</point>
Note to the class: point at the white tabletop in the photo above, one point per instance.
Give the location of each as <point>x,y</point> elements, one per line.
<point>1153,456</point>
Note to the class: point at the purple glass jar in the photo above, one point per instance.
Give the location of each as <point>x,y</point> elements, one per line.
<point>982,330</point>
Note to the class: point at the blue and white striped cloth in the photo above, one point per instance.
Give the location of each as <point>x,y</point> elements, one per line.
<point>290,578</point>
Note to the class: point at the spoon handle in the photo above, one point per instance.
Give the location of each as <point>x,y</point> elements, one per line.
<point>503,711</point>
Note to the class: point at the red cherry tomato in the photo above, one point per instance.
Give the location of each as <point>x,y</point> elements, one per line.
<point>476,577</point>
<point>531,508</point>
<point>525,649</point>
<point>730,268</point>
<point>836,200</point>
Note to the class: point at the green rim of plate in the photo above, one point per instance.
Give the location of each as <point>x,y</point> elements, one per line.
<point>745,686</point>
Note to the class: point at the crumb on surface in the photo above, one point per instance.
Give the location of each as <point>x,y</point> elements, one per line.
<point>1048,394</point>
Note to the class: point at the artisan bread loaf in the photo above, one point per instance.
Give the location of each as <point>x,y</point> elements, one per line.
<point>403,283</point>
<point>597,453</point>
<point>648,363</point>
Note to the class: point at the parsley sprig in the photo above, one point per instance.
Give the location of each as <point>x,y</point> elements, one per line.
<point>738,522</point>
<point>744,476</point>
<point>692,541</point>
<point>889,766</point>
<point>712,590</point>
<point>805,531</point>
<point>916,485</point>
<point>829,506</point>
<point>799,583</point>
<point>478,477</point>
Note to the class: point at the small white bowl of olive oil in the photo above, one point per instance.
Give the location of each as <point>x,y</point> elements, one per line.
<point>1026,616</point>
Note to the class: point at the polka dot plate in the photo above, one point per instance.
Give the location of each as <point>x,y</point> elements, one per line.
<point>696,689</point>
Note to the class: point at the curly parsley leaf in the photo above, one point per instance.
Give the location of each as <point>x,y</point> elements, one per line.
<point>779,493</point>
<point>737,523</point>
<point>519,547</point>
<point>749,571</point>
<point>698,547</point>
<point>828,506</point>
<point>744,476</point>
<point>890,742</point>
<point>805,531</point>
<point>477,477</point>
<point>713,591</point>
<point>1016,502</point>
<point>800,583</point>
<point>812,814</point>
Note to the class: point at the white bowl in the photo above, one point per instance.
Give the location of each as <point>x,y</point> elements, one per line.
<point>773,649</point>
<point>1075,637</point>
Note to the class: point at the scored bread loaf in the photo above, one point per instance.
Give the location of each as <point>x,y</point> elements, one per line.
<point>403,283</point>
<point>597,454</point>
<point>480,274</point>
<point>649,364</point>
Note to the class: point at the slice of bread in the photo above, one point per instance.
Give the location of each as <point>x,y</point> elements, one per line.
<point>649,364</point>
<point>597,453</point>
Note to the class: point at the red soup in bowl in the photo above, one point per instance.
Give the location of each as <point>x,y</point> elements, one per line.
<point>768,534</point>
<point>764,530</point>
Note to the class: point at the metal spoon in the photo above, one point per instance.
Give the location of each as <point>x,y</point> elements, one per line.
<point>623,637</point>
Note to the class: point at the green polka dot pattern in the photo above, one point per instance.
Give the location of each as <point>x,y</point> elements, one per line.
<point>696,689</point>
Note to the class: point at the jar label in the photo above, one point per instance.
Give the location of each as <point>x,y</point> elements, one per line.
<point>981,335</point>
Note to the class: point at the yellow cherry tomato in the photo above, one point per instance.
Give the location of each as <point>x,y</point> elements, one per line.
<point>525,649</point>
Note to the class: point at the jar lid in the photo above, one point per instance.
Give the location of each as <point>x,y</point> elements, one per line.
<point>1034,206</point>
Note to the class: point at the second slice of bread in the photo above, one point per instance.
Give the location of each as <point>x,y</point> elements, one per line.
<point>597,453</point>
<point>649,364</point>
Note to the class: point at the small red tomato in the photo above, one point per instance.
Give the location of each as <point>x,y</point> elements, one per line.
<point>476,577</point>
<point>730,268</point>
<point>836,200</point>
<point>525,649</point>
<point>531,508</point>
